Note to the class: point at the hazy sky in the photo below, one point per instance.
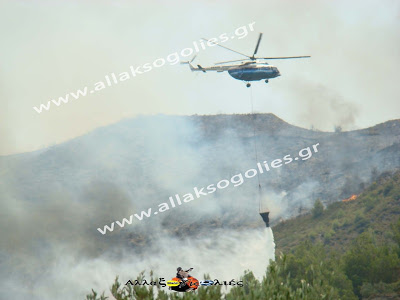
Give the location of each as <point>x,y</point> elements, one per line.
<point>50,48</point>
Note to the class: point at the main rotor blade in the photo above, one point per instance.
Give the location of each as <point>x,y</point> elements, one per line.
<point>229,61</point>
<point>283,57</point>
<point>258,44</point>
<point>226,47</point>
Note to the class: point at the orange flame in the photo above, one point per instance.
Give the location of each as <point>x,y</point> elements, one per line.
<point>353,197</point>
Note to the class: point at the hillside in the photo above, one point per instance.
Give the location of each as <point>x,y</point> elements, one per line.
<point>149,151</point>
<point>121,169</point>
<point>375,209</point>
<point>69,190</point>
<point>349,251</point>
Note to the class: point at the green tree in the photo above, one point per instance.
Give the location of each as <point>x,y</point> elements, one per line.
<point>367,261</point>
<point>318,208</point>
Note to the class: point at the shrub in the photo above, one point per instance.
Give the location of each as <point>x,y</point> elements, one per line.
<point>318,209</point>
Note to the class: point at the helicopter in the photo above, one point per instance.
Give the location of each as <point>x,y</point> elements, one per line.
<point>250,69</point>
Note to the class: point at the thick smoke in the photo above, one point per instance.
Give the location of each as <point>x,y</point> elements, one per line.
<point>323,108</point>
<point>53,243</point>
<point>63,273</point>
<point>55,199</point>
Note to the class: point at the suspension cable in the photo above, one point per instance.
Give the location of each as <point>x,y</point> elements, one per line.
<point>255,144</point>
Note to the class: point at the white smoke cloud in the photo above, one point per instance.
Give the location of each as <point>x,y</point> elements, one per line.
<point>223,254</point>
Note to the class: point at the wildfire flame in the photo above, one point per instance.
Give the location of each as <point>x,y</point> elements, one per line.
<point>353,197</point>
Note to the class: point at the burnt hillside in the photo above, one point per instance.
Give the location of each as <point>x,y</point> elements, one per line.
<point>126,167</point>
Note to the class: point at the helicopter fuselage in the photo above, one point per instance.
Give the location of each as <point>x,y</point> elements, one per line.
<point>253,72</point>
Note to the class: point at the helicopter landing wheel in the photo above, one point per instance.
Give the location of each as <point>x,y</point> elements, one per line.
<point>248,85</point>
<point>266,80</point>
